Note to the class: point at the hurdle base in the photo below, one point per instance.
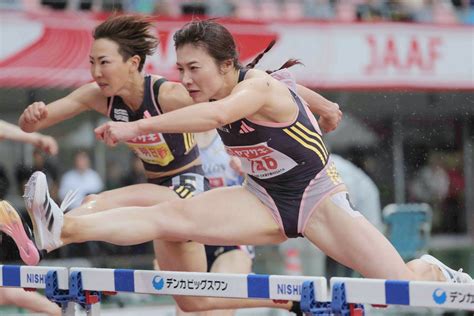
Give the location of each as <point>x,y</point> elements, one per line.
<point>339,305</point>
<point>66,299</point>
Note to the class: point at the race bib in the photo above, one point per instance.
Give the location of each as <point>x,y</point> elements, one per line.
<point>152,149</point>
<point>262,161</point>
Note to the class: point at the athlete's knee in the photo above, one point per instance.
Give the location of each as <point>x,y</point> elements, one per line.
<point>9,296</point>
<point>3,299</point>
<point>90,198</point>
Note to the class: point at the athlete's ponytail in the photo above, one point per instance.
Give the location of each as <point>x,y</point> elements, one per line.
<point>289,63</point>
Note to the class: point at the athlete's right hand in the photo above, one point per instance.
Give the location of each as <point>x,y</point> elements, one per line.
<point>34,113</point>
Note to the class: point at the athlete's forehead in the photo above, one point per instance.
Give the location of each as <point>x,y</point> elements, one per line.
<point>190,54</point>
<point>102,48</point>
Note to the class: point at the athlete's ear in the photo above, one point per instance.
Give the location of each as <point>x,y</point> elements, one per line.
<point>226,66</point>
<point>135,61</point>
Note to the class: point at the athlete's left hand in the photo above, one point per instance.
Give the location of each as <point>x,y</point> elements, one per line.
<point>112,133</point>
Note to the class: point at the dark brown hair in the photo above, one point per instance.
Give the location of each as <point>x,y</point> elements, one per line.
<point>212,36</point>
<point>131,33</point>
<point>289,63</point>
<point>218,42</point>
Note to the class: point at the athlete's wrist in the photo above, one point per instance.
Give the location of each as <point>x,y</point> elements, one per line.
<point>141,127</point>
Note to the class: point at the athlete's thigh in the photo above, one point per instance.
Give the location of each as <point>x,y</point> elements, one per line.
<point>345,235</point>
<point>228,216</point>
<point>143,194</point>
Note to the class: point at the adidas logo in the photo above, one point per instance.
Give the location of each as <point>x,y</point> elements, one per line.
<point>244,128</point>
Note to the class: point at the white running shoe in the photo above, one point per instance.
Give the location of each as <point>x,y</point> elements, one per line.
<point>46,215</point>
<point>451,275</point>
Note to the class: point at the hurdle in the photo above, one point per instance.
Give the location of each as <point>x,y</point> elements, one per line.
<point>407,293</point>
<point>84,286</point>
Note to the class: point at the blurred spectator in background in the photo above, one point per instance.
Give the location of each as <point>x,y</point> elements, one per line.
<point>465,9</point>
<point>422,11</point>
<point>43,163</point>
<point>453,210</point>
<point>115,171</point>
<point>81,178</point>
<point>136,173</point>
<point>167,8</point>
<point>431,185</point>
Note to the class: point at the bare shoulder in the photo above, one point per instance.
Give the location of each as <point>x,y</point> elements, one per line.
<point>256,80</point>
<point>173,95</point>
<point>255,73</point>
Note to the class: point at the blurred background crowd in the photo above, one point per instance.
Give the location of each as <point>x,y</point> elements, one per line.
<point>420,11</point>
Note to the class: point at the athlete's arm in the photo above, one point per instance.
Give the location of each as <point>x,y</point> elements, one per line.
<point>173,96</point>
<point>13,132</point>
<point>39,115</point>
<point>247,98</point>
<point>330,115</point>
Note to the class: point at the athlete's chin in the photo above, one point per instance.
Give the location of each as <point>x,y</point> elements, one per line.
<point>199,98</point>
<point>107,92</point>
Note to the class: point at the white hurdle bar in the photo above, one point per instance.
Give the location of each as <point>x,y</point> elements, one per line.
<point>31,277</point>
<point>251,286</point>
<point>408,293</point>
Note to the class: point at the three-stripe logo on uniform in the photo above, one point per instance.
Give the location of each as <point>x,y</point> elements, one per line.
<point>189,141</point>
<point>308,139</point>
<point>183,192</point>
<point>244,128</point>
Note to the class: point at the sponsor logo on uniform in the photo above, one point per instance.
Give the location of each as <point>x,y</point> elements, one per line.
<point>121,115</point>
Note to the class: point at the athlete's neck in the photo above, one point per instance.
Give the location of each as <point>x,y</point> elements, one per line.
<point>231,79</point>
<point>133,91</point>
